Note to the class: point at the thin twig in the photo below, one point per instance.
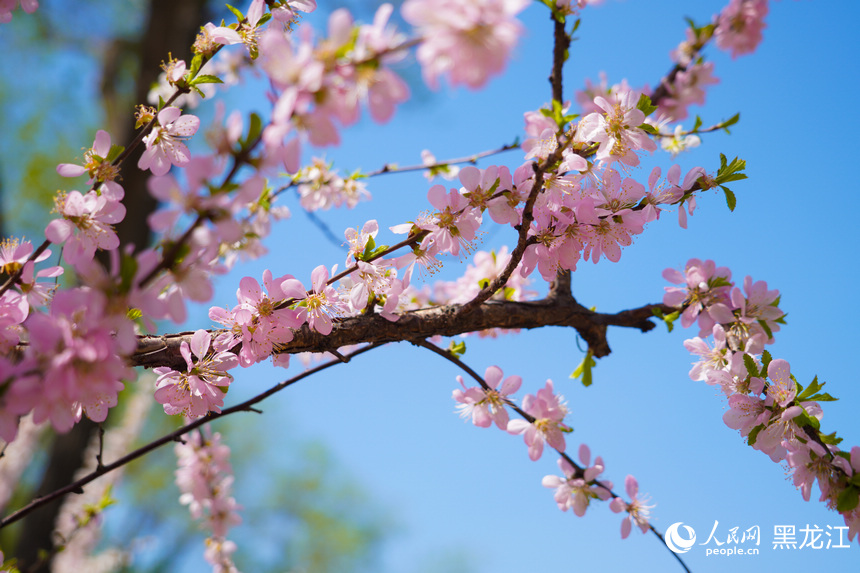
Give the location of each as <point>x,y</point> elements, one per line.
<point>176,435</point>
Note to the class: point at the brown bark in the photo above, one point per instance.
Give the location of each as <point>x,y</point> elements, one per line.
<point>441,320</point>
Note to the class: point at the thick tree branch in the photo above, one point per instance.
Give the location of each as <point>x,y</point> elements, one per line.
<point>424,323</point>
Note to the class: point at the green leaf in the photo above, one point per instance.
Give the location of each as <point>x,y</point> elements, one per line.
<point>254,130</point>
<point>719,282</point>
<point>368,249</point>
<point>698,124</point>
<point>813,387</point>
<point>731,121</point>
<point>731,201</point>
<point>830,439</point>
<point>848,499</point>
<point>196,64</point>
<point>644,105</point>
<point>754,434</point>
<point>648,128</point>
<point>823,397</point>
<point>115,151</point>
<point>457,349</point>
<point>236,12</point>
<point>752,367</point>
<point>263,19</point>
<point>766,358</point>
<point>584,369</point>
<point>804,419</point>
<point>205,79</point>
<point>766,328</point>
<point>730,171</point>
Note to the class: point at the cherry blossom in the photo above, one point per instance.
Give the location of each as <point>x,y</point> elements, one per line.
<point>617,129</point>
<point>575,490</point>
<point>637,512</point>
<point>164,146</point>
<point>86,224</point>
<point>485,406</point>
<point>321,305</point>
<point>548,410</point>
<point>739,26</point>
<point>468,41</point>
<point>201,388</point>
<point>95,161</point>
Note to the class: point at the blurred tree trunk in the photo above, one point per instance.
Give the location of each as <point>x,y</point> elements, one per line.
<point>171,28</point>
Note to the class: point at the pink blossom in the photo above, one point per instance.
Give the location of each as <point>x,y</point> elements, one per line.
<point>358,240</point>
<point>617,129</point>
<point>739,26</point>
<point>637,511</point>
<point>687,88</point>
<point>467,40</point>
<point>286,10</point>
<point>782,388</point>
<point>759,305</point>
<point>205,478</point>
<point>576,489</point>
<point>80,348</point>
<point>548,410</point>
<point>201,388</point>
<point>811,462</point>
<point>320,187</point>
<point>321,305</point>
<point>245,33</point>
<point>487,406</point>
<point>715,358</point>
<point>14,256</point>
<point>164,146</point>
<point>264,326</point>
<point>706,285</point>
<point>455,224</point>
<point>95,161</point>
<point>745,412</point>
<point>6,8</point>
<point>86,224</point>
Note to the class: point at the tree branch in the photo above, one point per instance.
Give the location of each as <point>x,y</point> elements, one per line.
<point>420,324</point>
<point>174,436</point>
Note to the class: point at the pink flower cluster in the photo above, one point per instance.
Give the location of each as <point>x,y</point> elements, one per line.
<point>201,388</point>
<point>318,84</point>
<point>766,404</point>
<point>73,364</point>
<point>7,6</point>
<point>469,41</point>
<point>205,479</point>
<point>543,423</point>
<point>320,187</point>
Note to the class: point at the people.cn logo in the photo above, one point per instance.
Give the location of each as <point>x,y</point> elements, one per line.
<point>677,542</point>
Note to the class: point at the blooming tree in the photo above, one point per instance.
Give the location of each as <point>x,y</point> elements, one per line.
<point>572,192</point>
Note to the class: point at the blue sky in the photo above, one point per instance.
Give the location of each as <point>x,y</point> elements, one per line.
<point>471,496</point>
<point>461,495</point>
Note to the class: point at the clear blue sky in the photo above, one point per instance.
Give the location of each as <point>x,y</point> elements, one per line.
<point>468,496</point>
<point>471,496</point>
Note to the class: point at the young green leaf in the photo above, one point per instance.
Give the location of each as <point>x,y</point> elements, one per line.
<point>457,349</point>
<point>731,201</point>
<point>584,369</point>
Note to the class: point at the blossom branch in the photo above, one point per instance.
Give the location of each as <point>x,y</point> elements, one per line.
<point>446,320</point>
<point>246,406</point>
<point>579,471</point>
